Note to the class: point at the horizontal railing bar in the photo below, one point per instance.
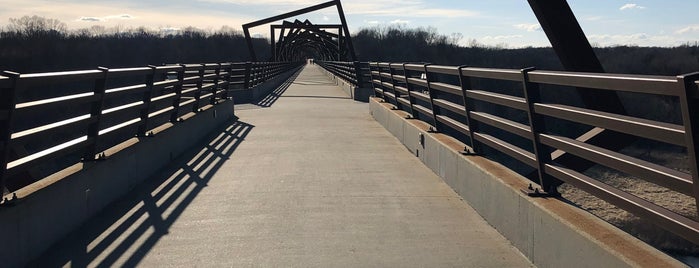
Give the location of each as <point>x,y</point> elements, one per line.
<point>63,101</point>
<point>404,101</point>
<point>456,108</point>
<point>513,127</point>
<point>458,126</point>
<point>496,98</point>
<point>127,106</point>
<point>63,148</point>
<point>501,74</point>
<point>128,89</point>
<point>122,72</point>
<point>63,123</point>
<point>447,88</point>
<point>420,96</point>
<point>402,90</point>
<point>441,69</point>
<point>659,131</point>
<point>663,176</point>
<point>422,109</point>
<point>36,79</point>
<point>661,85</point>
<point>119,126</point>
<point>520,154</point>
<point>663,217</point>
<point>417,81</point>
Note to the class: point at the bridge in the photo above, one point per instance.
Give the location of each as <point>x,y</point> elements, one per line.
<point>332,162</point>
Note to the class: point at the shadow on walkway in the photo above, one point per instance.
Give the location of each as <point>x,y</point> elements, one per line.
<point>129,228</point>
<point>272,97</point>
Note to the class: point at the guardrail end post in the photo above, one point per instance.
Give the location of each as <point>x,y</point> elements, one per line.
<point>689,105</point>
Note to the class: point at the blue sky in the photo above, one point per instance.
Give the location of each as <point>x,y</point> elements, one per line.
<point>511,22</point>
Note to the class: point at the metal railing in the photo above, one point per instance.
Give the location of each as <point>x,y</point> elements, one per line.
<point>356,73</point>
<point>49,121</point>
<point>448,99</point>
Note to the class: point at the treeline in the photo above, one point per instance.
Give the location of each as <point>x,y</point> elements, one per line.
<point>37,44</point>
<point>397,44</point>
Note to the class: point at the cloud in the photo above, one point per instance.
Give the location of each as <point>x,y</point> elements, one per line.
<point>372,22</point>
<point>106,18</point>
<point>594,18</point>
<point>399,21</point>
<point>92,19</point>
<point>688,29</point>
<point>501,37</point>
<point>325,18</point>
<point>638,39</point>
<point>409,8</point>
<point>631,6</point>
<point>529,27</point>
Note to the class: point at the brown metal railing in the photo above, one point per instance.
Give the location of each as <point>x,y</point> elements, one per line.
<point>446,97</point>
<point>356,73</point>
<point>49,121</point>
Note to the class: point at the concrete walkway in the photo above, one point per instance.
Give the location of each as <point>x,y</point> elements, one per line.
<point>305,179</point>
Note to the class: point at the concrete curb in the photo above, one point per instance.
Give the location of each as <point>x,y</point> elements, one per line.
<point>54,206</point>
<point>356,93</point>
<point>549,232</point>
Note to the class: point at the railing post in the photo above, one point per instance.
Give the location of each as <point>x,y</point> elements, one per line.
<point>413,112</point>
<point>383,89</point>
<point>96,114</point>
<point>215,88</point>
<point>435,109</point>
<point>248,70</point>
<point>7,106</point>
<point>371,76</point>
<point>399,106</point>
<point>536,122</point>
<point>358,73</point>
<point>689,103</point>
<point>229,79</point>
<point>177,88</point>
<point>469,105</point>
<point>200,84</point>
<point>147,96</point>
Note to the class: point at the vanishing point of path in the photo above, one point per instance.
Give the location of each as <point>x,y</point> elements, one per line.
<point>306,178</point>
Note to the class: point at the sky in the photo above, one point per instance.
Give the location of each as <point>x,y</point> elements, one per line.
<point>493,22</point>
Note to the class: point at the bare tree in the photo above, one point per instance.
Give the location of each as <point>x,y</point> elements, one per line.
<point>36,25</point>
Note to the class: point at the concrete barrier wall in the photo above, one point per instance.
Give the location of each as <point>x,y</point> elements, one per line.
<point>548,231</point>
<point>53,207</point>
<point>356,93</point>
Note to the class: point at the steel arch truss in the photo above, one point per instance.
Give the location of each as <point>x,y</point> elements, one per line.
<point>297,39</point>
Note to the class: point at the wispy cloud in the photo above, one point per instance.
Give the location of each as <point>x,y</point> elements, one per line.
<point>688,29</point>
<point>399,21</point>
<point>528,27</point>
<point>501,37</point>
<point>106,18</point>
<point>631,6</point>
<point>639,39</point>
<point>594,18</point>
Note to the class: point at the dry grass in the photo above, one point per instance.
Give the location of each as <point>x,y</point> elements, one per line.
<point>644,230</point>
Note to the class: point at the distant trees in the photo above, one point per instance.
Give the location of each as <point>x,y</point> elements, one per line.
<point>34,44</point>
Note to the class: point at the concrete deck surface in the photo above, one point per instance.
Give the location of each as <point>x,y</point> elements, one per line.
<point>304,179</point>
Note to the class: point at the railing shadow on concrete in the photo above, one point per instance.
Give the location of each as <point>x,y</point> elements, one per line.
<point>128,229</point>
<point>272,97</point>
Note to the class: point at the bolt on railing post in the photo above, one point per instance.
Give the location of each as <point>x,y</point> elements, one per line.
<point>7,105</point>
<point>536,123</point>
<point>406,76</point>
<point>690,119</point>
<point>248,70</point>
<point>93,128</point>
<point>465,83</point>
<point>147,96</point>
<point>435,109</point>
<point>177,88</point>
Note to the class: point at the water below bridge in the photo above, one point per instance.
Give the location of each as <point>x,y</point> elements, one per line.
<point>304,178</point>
